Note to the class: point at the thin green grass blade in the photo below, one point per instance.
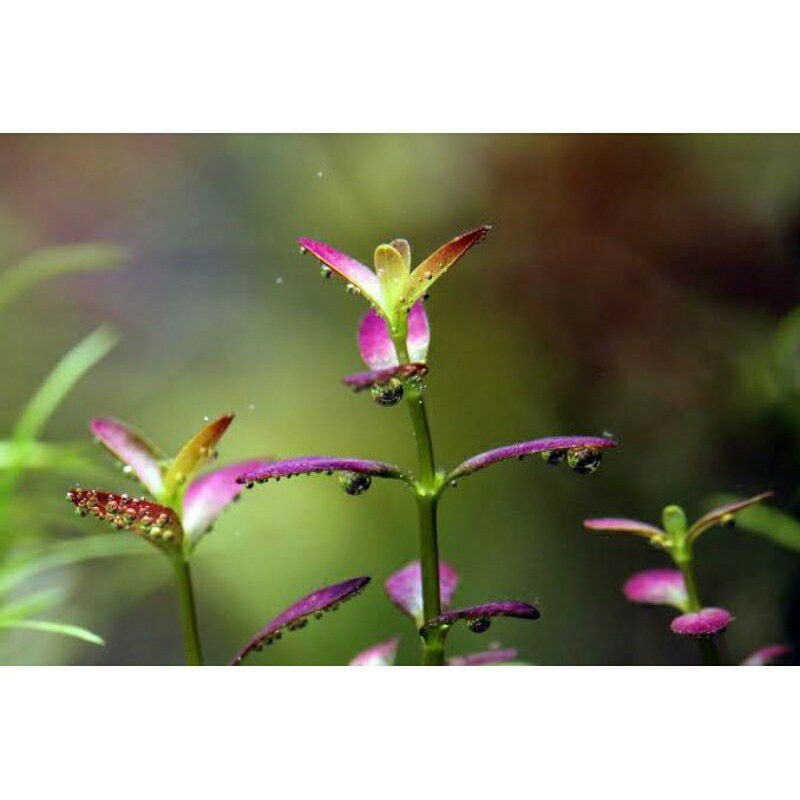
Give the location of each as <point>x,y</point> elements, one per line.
<point>54,261</point>
<point>72,551</point>
<point>63,377</point>
<point>61,458</point>
<point>62,628</point>
<point>31,604</point>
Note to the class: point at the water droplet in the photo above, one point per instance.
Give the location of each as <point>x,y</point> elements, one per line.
<point>584,460</point>
<point>390,394</point>
<point>479,624</point>
<point>553,456</point>
<point>728,521</point>
<point>279,281</point>
<point>206,419</point>
<point>354,483</point>
<point>353,289</point>
<point>325,271</point>
<point>319,173</point>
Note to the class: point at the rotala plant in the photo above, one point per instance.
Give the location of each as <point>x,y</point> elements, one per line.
<point>677,588</point>
<point>393,339</point>
<point>181,510</point>
<point>182,505</point>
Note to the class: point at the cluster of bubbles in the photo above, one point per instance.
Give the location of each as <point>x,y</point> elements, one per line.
<point>126,513</point>
<point>300,622</point>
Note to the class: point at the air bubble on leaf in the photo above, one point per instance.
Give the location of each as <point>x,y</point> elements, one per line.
<point>355,483</point>
<point>353,289</point>
<point>584,460</point>
<point>390,394</point>
<point>325,271</point>
<point>479,624</point>
<point>553,457</point>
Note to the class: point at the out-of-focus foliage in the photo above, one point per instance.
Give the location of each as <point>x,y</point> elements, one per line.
<point>774,524</point>
<point>22,453</point>
<point>55,261</point>
<point>630,283</point>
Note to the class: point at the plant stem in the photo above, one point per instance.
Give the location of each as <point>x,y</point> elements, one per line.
<point>427,504</point>
<point>191,635</point>
<point>427,495</point>
<point>708,647</point>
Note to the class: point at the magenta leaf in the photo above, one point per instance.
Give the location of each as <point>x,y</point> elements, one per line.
<point>380,377</point>
<point>207,496</point>
<point>478,618</point>
<point>484,659</point>
<point>661,587</point>
<point>376,345</point>
<point>298,614</point>
<point>358,275</point>
<point>156,523</point>
<point>620,525</point>
<point>404,588</point>
<point>766,655</point>
<point>723,514</point>
<point>582,452</point>
<point>307,465</point>
<point>705,622</point>
<point>379,655</point>
<point>137,455</point>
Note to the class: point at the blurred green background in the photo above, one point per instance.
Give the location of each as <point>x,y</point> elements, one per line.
<point>633,284</point>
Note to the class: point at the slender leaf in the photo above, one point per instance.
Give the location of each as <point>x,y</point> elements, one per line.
<point>63,377</point>
<point>31,604</point>
<point>63,628</point>
<point>72,551</point>
<point>54,261</point>
<point>768,521</point>
<point>45,456</point>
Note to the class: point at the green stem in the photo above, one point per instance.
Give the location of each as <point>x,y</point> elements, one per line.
<point>708,647</point>
<point>426,489</point>
<point>191,635</point>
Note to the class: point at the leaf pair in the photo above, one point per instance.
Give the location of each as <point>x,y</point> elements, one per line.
<point>193,503</point>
